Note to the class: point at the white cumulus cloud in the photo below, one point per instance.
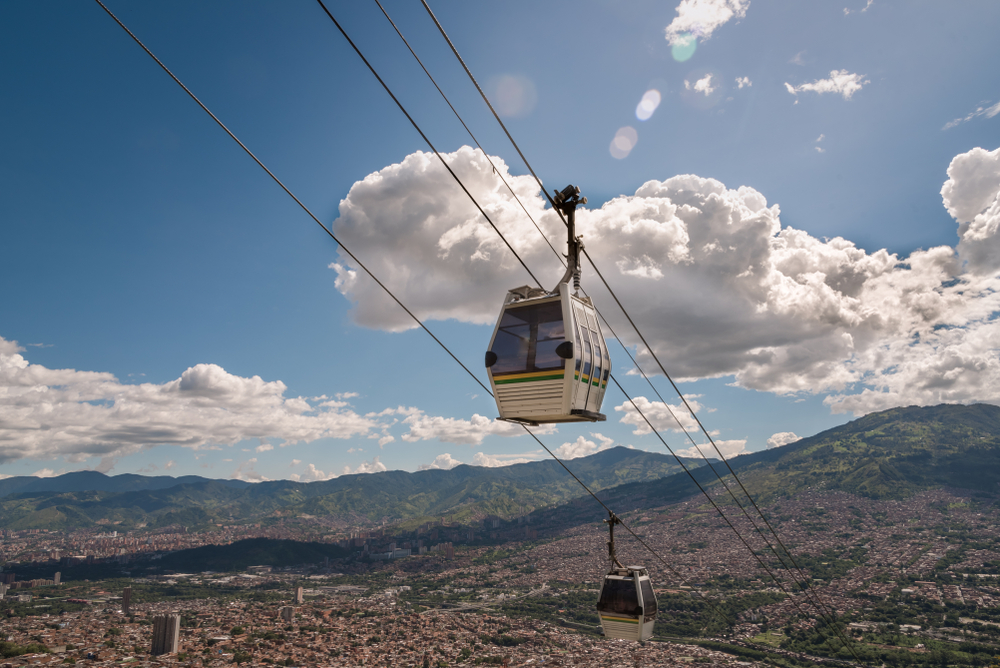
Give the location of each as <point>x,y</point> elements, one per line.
<point>245,471</point>
<point>718,285</point>
<point>496,461</point>
<point>663,417</point>
<point>782,438</point>
<point>728,448</point>
<point>374,466</point>
<point>702,17</point>
<point>972,196</point>
<point>442,461</point>
<point>702,85</point>
<point>48,413</point>
<point>743,82</point>
<point>583,446</point>
<point>841,82</point>
<point>311,474</point>
<point>461,432</point>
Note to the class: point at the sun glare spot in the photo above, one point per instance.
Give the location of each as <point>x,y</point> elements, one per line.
<point>624,141</point>
<point>515,95</point>
<point>684,47</point>
<point>648,104</point>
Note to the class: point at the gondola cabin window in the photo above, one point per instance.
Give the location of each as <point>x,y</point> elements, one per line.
<point>527,339</point>
<point>619,597</point>
<point>648,599</point>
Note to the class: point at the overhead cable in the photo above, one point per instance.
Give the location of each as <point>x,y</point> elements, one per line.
<point>462,121</point>
<point>403,306</point>
<point>425,138</point>
<point>288,192</point>
<point>625,312</point>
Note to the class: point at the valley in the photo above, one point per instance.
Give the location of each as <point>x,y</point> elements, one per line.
<point>890,571</point>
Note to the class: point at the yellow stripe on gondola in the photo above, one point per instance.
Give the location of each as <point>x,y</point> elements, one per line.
<point>556,374</point>
<point>627,620</point>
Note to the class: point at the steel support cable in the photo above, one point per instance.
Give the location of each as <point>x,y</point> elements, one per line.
<point>704,457</point>
<point>289,192</point>
<point>330,233</point>
<point>469,131</point>
<point>820,605</point>
<point>495,114</point>
<point>731,526</point>
<point>691,411</point>
<point>332,236</point>
<point>670,568</point>
<point>545,192</point>
<point>462,121</point>
<point>372,69</point>
<point>528,165</point>
<point>425,138</point>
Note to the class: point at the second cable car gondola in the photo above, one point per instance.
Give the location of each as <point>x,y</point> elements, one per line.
<point>547,360</point>
<point>627,604</point>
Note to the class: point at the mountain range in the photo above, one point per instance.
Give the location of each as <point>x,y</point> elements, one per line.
<point>890,454</point>
<point>89,498</point>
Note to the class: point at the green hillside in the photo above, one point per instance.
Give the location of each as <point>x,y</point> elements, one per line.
<point>464,493</point>
<point>887,455</point>
<point>890,454</point>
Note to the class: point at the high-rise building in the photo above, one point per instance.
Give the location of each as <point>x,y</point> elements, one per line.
<point>449,551</point>
<point>166,632</point>
<point>57,578</point>
<point>299,595</point>
<point>287,613</point>
<point>126,599</point>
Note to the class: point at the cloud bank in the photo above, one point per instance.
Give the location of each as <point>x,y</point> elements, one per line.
<point>47,413</point>
<point>718,285</point>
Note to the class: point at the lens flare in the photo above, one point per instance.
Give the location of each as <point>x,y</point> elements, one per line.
<point>623,143</point>
<point>648,104</point>
<point>684,47</point>
<point>514,95</point>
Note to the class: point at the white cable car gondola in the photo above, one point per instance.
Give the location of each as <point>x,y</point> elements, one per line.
<point>547,360</point>
<point>627,605</point>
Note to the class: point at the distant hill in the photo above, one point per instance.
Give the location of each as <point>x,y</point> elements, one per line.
<point>887,455</point>
<point>891,454</point>
<point>92,481</point>
<point>83,500</point>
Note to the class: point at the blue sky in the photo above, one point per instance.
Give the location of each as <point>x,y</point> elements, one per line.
<point>140,242</point>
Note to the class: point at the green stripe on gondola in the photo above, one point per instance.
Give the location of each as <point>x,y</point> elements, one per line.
<point>620,619</point>
<point>508,381</point>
